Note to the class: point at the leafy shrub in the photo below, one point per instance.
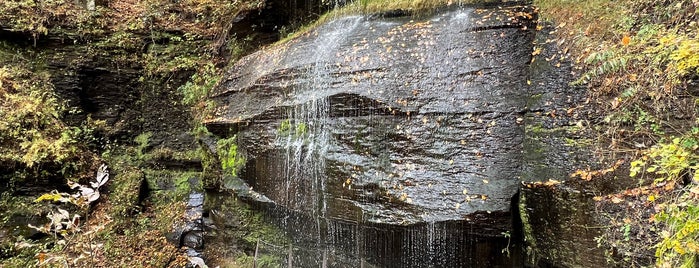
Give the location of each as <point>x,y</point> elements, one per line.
<point>686,57</point>
<point>680,246</point>
<point>231,160</point>
<point>31,132</point>
<point>199,85</point>
<point>671,162</point>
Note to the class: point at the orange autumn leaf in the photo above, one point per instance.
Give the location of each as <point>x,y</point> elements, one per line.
<point>588,174</point>
<point>625,40</point>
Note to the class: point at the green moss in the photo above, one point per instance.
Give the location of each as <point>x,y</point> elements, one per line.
<point>527,230</point>
<point>231,160</point>
<point>415,7</point>
<point>172,185</point>
<point>124,193</point>
<point>256,227</point>
<point>142,141</point>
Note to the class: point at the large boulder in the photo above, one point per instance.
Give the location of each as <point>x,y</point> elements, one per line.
<point>387,120</point>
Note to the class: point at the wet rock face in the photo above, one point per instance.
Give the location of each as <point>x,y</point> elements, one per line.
<point>558,221</point>
<point>395,120</point>
<point>190,233</point>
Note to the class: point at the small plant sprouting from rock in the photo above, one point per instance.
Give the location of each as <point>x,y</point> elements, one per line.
<point>231,159</point>
<point>286,127</point>
<point>506,250</point>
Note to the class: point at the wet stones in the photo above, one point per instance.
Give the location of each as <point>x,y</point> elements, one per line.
<point>190,233</point>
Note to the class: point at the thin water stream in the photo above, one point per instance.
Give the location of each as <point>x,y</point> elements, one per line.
<point>388,142</point>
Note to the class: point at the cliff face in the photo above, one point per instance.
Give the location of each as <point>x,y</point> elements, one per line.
<point>420,110</point>
<point>417,133</point>
<point>416,127</point>
<point>90,82</point>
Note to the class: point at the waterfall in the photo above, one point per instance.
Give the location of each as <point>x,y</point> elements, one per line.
<point>306,137</point>
<point>393,137</point>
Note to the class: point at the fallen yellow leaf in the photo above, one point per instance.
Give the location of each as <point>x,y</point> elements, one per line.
<point>537,51</point>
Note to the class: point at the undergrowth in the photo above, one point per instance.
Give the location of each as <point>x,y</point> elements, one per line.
<point>33,138</point>
<point>640,62</point>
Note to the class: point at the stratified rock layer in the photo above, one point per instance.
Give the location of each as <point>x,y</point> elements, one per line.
<point>393,120</point>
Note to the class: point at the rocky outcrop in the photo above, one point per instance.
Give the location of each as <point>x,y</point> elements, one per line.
<point>376,123</point>
<point>391,120</point>
<point>386,127</point>
<point>389,127</point>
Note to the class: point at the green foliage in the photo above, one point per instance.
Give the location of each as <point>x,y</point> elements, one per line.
<point>637,59</point>
<point>301,129</point>
<point>199,85</point>
<point>175,56</point>
<point>142,141</point>
<point>33,16</point>
<point>652,51</point>
<point>637,49</point>
<point>605,62</point>
<point>286,127</point>
<point>31,132</point>
<point>680,244</point>
<point>641,120</point>
<point>686,57</point>
<point>669,161</point>
<point>231,160</point>
<point>120,40</point>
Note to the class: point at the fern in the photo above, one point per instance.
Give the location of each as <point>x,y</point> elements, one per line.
<point>231,160</point>
<point>606,62</point>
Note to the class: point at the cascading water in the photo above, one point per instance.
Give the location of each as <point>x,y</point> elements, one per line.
<point>305,137</point>
<point>388,141</point>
